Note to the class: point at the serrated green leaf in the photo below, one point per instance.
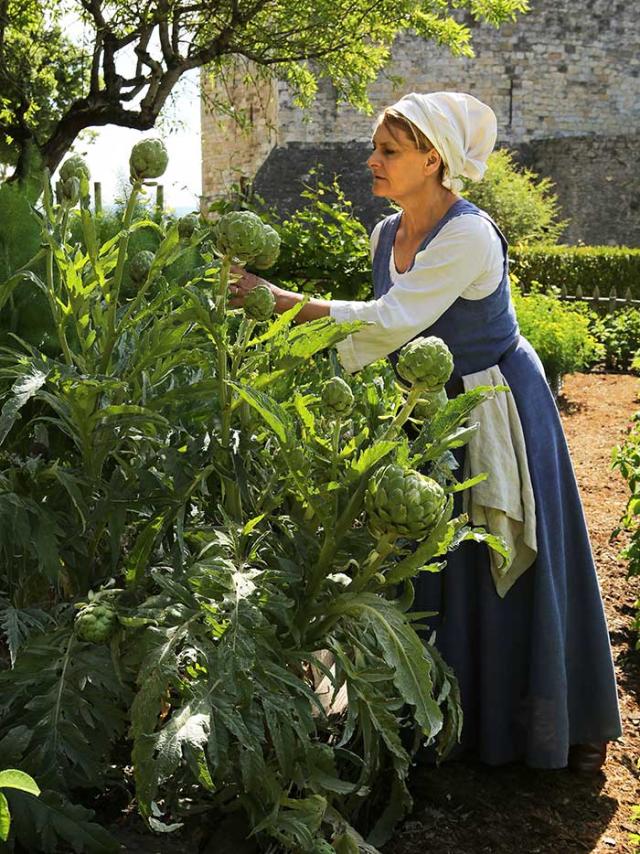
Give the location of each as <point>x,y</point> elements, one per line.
<point>270,411</point>
<point>371,456</point>
<point>403,651</point>
<point>24,388</point>
<point>43,823</point>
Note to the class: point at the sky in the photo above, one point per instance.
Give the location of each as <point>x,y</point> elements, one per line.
<point>107,149</point>
<point>108,153</point>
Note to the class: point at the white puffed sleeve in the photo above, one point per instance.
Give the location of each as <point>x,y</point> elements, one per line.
<point>464,259</point>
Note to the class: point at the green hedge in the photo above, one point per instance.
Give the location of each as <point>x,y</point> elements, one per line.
<point>606,267</point>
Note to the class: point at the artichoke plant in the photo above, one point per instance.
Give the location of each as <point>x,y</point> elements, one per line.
<point>403,503</point>
<point>336,396</point>
<point>241,235</point>
<point>259,303</point>
<point>148,159</point>
<point>95,623</point>
<point>425,362</point>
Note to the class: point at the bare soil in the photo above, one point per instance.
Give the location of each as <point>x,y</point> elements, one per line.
<point>465,808</point>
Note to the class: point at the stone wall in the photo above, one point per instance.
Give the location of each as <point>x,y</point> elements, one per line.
<point>234,148</point>
<point>564,82</point>
<point>567,68</point>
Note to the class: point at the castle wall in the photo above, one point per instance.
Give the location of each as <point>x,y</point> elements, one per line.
<point>564,81</point>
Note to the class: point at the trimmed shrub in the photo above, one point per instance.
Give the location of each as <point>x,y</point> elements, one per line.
<point>606,267</point>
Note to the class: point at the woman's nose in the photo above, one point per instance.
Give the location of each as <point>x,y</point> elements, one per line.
<point>371,159</point>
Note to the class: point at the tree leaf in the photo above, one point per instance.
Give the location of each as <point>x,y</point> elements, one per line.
<point>11,778</point>
<point>5,819</point>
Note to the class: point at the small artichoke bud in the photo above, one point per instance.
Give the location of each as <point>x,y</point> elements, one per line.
<point>426,362</point>
<point>140,265</point>
<point>336,395</point>
<point>259,303</point>
<point>148,159</point>
<point>68,191</point>
<point>75,167</point>
<point>240,234</point>
<point>403,502</point>
<point>429,404</point>
<point>269,255</point>
<point>95,623</point>
<point>187,225</point>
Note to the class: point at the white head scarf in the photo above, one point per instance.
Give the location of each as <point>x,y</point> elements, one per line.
<point>461,128</point>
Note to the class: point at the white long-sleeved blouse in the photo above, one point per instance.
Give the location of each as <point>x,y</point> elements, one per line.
<point>465,259</point>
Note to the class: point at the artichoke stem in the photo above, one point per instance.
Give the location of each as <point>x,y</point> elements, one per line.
<point>117,278</point>
<point>335,444</point>
<point>58,319</point>
<point>405,411</point>
<point>383,549</point>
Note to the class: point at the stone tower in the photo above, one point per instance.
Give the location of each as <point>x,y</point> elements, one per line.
<point>564,81</point>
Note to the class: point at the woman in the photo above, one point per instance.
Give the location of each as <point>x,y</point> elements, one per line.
<point>531,649</point>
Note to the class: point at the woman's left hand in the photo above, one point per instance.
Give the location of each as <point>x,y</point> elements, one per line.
<point>240,283</point>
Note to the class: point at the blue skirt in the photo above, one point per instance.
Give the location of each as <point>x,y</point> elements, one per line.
<point>535,668</point>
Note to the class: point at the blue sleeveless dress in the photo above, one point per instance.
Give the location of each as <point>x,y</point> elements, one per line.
<point>535,667</point>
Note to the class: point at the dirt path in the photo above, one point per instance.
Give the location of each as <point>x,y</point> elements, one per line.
<point>465,808</point>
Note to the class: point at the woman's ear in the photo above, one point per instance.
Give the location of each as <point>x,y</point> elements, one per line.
<point>432,162</point>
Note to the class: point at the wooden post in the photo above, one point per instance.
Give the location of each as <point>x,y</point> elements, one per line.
<point>97,197</point>
<point>160,199</point>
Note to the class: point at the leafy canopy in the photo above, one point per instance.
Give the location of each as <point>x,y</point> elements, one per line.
<point>52,89</point>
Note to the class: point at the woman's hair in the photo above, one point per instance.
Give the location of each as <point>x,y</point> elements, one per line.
<point>394,121</point>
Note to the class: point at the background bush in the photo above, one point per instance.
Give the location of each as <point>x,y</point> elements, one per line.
<point>560,333</point>
<point>522,204</point>
<point>619,334</point>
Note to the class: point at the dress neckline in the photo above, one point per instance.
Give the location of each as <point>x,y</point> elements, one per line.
<point>427,238</point>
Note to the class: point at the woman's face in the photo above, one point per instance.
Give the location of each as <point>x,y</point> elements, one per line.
<point>397,166</point>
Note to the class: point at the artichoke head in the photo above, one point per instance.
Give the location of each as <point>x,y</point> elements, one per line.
<point>68,191</point>
<point>430,403</point>
<point>241,234</point>
<point>402,502</point>
<point>148,159</point>
<point>187,225</point>
<point>140,265</point>
<point>74,167</point>
<point>259,303</point>
<point>336,396</point>
<point>425,362</point>
<point>95,623</point>
<point>269,255</point>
